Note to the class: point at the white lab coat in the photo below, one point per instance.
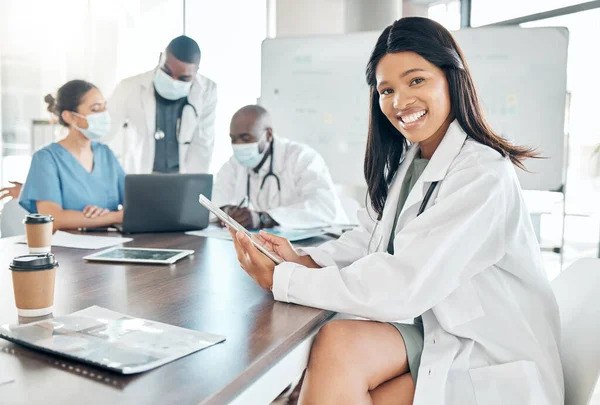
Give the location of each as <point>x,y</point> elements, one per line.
<point>133,111</point>
<point>470,264</point>
<point>307,199</point>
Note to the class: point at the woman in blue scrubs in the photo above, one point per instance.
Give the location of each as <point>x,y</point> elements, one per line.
<point>77,180</point>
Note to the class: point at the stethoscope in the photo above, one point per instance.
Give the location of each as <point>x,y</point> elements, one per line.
<point>270,173</point>
<point>421,210</point>
<point>159,134</point>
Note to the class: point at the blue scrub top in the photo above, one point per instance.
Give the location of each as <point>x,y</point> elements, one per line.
<point>56,175</point>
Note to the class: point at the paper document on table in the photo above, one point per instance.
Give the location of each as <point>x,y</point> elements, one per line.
<point>110,340</point>
<point>212,231</point>
<point>339,230</point>
<point>69,240</point>
<point>5,378</point>
<point>293,235</point>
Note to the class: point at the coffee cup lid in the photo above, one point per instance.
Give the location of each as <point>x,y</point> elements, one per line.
<point>33,262</point>
<point>38,219</point>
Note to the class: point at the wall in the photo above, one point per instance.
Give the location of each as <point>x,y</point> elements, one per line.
<point>414,9</point>
<point>309,17</point>
<point>365,15</point>
<point>322,17</point>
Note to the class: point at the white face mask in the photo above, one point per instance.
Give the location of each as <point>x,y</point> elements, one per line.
<point>169,88</point>
<point>98,125</point>
<point>248,154</point>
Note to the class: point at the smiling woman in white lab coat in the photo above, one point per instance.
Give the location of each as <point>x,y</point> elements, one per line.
<point>450,244</point>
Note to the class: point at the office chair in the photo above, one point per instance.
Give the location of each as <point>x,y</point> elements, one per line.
<point>577,291</point>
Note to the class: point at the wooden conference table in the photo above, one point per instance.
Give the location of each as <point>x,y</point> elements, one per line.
<point>266,348</point>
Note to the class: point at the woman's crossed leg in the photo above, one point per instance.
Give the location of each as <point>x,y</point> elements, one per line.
<point>357,362</point>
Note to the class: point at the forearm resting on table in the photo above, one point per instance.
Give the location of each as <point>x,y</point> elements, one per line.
<point>69,219</point>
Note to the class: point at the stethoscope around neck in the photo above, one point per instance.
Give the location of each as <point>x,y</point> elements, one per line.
<point>159,134</point>
<point>270,173</point>
<point>422,208</point>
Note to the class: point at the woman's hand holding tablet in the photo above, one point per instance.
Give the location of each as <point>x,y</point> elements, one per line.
<point>233,225</point>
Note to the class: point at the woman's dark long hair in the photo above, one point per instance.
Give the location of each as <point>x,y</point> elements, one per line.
<point>385,144</point>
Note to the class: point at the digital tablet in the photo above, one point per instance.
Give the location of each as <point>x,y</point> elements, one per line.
<point>139,255</point>
<point>233,224</point>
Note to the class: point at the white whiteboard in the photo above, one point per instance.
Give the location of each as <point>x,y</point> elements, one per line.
<point>316,91</point>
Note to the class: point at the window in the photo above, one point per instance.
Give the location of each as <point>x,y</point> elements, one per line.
<point>231,47</point>
<point>105,41</point>
<point>446,13</point>
<point>490,11</point>
<point>583,172</point>
<point>102,41</point>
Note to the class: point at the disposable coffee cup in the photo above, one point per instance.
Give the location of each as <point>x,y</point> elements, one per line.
<point>38,228</point>
<point>33,278</point>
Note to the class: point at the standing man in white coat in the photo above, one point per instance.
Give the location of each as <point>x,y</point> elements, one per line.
<point>272,181</point>
<point>449,243</point>
<point>163,120</point>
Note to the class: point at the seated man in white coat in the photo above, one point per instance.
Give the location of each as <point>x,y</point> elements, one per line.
<point>163,120</point>
<point>272,181</point>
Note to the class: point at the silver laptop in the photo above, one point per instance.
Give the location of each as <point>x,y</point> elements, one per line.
<point>165,202</point>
